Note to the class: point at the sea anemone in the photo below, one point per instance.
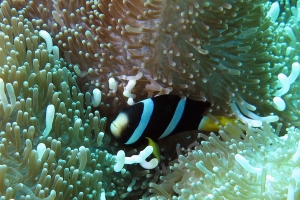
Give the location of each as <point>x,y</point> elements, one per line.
<point>66,67</point>
<point>216,51</point>
<point>52,145</point>
<point>241,163</point>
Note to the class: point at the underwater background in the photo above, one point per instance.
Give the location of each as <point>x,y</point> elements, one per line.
<point>67,67</point>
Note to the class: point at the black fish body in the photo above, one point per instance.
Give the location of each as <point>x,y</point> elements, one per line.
<point>158,117</point>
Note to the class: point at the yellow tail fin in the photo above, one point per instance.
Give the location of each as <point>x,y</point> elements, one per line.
<point>207,124</point>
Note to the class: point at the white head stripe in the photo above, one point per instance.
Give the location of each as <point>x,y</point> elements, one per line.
<point>146,115</point>
<point>176,118</point>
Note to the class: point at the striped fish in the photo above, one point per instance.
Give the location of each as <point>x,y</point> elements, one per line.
<point>159,117</point>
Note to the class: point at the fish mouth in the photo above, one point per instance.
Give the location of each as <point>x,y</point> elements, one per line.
<point>118,126</point>
<point>115,129</point>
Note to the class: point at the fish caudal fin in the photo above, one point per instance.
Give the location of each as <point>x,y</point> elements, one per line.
<point>207,124</point>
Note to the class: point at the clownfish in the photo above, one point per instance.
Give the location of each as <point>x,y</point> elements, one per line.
<point>161,116</point>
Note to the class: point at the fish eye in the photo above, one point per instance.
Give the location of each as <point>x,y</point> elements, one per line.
<point>129,126</point>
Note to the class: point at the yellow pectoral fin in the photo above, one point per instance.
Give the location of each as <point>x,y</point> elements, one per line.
<point>155,146</point>
<point>207,124</point>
